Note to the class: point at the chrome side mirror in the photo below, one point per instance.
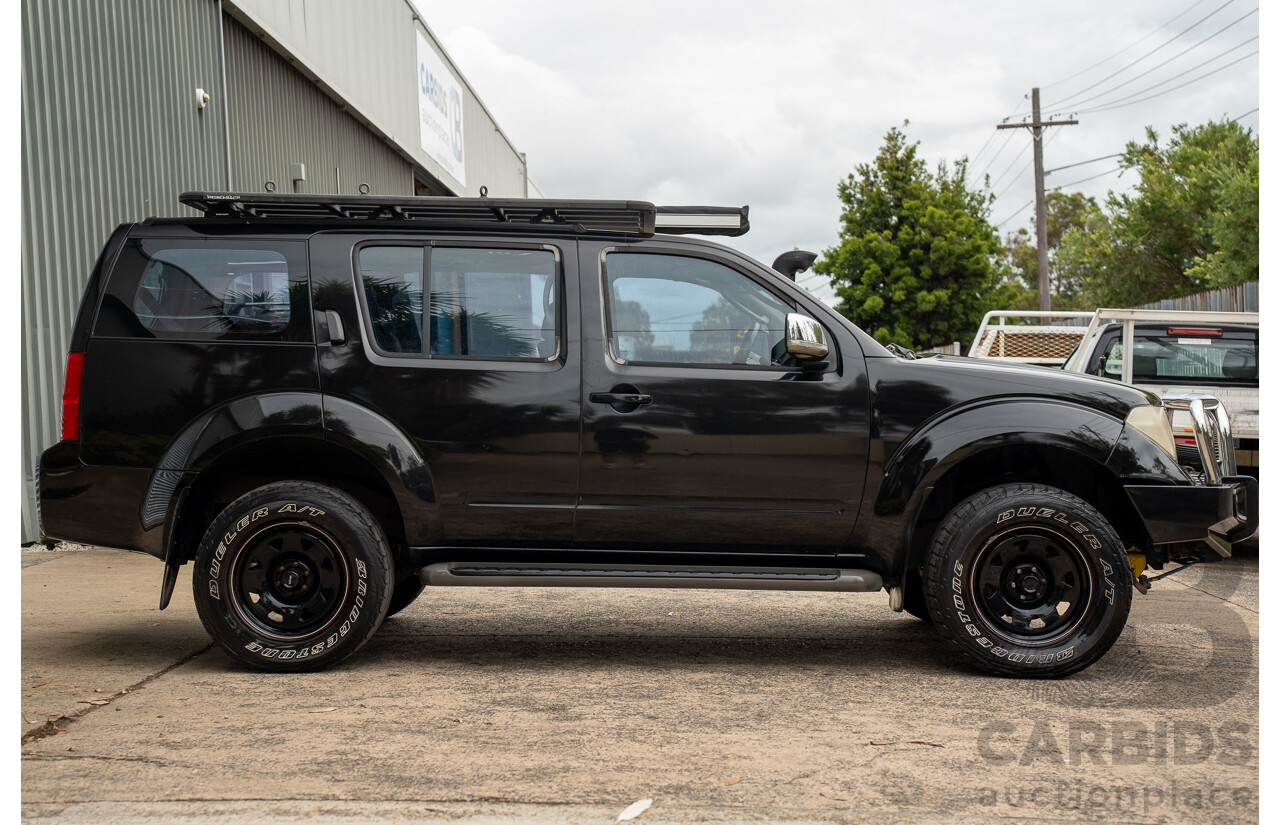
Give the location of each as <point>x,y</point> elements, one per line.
<point>805,339</point>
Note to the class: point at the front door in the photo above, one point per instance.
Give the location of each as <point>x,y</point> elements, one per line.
<point>699,430</point>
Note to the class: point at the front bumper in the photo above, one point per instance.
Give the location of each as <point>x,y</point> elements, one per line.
<point>1220,514</point>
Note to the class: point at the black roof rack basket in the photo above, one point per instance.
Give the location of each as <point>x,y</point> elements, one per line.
<point>516,214</point>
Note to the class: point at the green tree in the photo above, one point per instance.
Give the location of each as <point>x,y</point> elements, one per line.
<point>1190,224</point>
<point>1063,212</point>
<point>916,263</point>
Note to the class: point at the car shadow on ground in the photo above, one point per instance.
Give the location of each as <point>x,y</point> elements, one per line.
<point>896,644</point>
<point>146,647</point>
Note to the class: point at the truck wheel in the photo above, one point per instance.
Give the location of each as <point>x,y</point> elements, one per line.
<point>1028,580</point>
<point>405,593</point>
<point>292,576</point>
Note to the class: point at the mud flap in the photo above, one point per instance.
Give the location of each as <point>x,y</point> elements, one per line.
<point>167,583</point>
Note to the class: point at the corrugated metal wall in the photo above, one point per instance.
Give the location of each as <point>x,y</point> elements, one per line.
<point>279,117</point>
<point>366,54</point>
<point>110,133</point>
<point>1238,298</point>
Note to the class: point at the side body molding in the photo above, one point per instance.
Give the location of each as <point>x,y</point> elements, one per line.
<point>913,464</point>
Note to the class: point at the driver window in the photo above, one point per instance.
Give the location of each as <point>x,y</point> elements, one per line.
<point>669,309</point>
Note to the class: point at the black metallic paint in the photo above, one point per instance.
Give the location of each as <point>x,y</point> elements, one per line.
<point>1184,514</point>
<point>497,459</point>
<point>499,439</point>
<point>723,458</point>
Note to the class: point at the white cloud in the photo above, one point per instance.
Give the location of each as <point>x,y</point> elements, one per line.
<point>772,104</point>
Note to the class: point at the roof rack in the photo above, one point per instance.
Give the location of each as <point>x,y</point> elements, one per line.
<point>516,214</point>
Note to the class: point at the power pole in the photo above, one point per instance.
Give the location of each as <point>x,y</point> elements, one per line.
<point>1037,127</point>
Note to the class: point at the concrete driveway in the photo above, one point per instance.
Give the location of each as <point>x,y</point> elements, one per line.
<point>560,705</point>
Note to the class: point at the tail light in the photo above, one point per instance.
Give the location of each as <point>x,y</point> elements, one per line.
<point>71,397</point>
<point>1194,332</point>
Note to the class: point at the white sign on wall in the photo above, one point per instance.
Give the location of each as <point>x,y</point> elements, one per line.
<point>440,99</point>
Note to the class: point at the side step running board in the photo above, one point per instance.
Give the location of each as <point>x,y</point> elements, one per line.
<point>480,574</point>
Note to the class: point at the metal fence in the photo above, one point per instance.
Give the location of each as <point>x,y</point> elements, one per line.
<point>1238,298</point>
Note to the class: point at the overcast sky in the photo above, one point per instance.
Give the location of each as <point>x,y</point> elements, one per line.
<point>771,104</point>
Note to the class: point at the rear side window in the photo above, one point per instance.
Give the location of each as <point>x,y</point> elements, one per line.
<point>471,302</point>
<point>392,277</point>
<point>208,290</point>
<point>1219,357</point>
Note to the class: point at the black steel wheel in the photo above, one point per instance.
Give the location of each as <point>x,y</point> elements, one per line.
<point>1028,580</point>
<point>1032,585</point>
<point>292,576</point>
<point>290,579</point>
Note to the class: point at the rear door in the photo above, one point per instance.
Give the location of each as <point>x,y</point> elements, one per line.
<point>470,348</point>
<point>699,431</point>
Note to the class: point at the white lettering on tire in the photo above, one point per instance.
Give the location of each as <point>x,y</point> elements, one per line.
<point>362,587</point>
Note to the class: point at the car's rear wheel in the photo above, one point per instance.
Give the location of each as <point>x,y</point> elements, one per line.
<point>292,576</point>
<point>1028,580</point>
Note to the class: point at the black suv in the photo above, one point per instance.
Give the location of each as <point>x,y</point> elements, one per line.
<point>329,403</point>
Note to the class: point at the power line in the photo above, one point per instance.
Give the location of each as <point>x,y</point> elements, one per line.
<point>1016,178</point>
<point>1245,115</point>
<point>1117,104</point>
<point>996,155</point>
<point>990,137</point>
<point>1077,104</point>
<point>1016,212</point>
<point>1149,34</point>
<point>1121,100</point>
<point>1091,177</point>
<point>1090,160</point>
<point>1016,158</point>
<point>1128,66</point>
<point>1019,174</point>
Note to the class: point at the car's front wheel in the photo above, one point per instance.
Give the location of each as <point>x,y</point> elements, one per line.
<point>1028,580</point>
<point>292,576</point>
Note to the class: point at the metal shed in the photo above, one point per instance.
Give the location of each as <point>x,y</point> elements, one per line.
<point>316,96</point>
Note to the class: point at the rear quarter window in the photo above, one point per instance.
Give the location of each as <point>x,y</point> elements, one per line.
<point>212,290</point>
<point>1229,357</point>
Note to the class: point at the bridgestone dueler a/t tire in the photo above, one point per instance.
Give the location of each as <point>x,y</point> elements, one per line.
<point>357,558</point>
<point>969,542</point>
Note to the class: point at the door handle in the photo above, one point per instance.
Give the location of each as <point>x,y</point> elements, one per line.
<point>330,323</point>
<point>620,398</point>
